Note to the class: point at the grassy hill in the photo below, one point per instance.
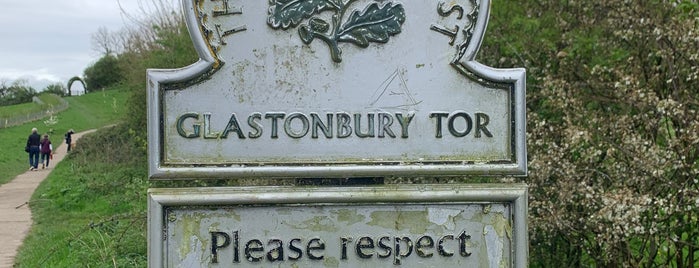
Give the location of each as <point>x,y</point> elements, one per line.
<point>25,108</point>
<point>85,112</point>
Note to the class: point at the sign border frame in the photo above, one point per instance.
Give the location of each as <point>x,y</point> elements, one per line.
<point>161,198</point>
<point>158,80</point>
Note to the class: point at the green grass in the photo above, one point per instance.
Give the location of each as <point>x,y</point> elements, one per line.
<point>26,108</point>
<point>50,99</point>
<point>86,112</point>
<point>91,210</point>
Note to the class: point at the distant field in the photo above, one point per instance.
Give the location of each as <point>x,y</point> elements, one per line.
<point>26,108</point>
<point>85,112</point>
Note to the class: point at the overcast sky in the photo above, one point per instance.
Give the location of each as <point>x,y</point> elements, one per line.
<point>49,41</point>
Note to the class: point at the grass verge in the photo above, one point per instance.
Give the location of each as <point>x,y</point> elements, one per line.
<point>91,210</point>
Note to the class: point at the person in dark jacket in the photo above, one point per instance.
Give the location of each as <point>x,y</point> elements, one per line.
<point>69,138</point>
<point>33,143</point>
<point>45,149</point>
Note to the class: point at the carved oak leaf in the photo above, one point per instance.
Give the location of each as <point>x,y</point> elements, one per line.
<point>374,24</point>
<point>289,13</point>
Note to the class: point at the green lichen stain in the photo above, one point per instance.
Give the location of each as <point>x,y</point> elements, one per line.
<point>317,224</point>
<point>477,217</point>
<point>190,224</point>
<point>483,256</point>
<point>349,216</point>
<point>415,221</point>
<point>487,208</point>
<point>215,227</point>
<point>331,262</point>
<point>284,211</point>
<point>231,214</point>
<point>502,225</point>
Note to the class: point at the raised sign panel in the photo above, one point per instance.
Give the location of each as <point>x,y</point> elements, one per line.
<point>418,226</point>
<point>336,89</point>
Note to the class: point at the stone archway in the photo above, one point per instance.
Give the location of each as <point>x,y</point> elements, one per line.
<point>75,78</point>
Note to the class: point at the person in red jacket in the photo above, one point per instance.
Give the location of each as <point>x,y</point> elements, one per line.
<point>46,150</point>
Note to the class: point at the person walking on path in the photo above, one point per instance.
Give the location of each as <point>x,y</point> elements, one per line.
<point>45,149</point>
<point>15,216</point>
<point>69,138</point>
<point>33,143</point>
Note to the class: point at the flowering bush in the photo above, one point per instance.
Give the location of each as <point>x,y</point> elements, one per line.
<point>613,129</point>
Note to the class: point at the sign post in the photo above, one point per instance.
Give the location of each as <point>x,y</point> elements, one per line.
<point>335,89</point>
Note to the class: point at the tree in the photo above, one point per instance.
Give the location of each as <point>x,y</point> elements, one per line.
<point>17,92</point>
<point>56,88</point>
<point>103,73</point>
<point>104,42</point>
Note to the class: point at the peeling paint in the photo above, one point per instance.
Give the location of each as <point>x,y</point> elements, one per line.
<point>494,246</point>
<point>191,240</point>
<point>416,222</point>
<point>349,216</point>
<point>318,223</point>
<point>443,217</point>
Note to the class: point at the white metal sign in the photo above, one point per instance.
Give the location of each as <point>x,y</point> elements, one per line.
<point>321,88</point>
<point>416,226</point>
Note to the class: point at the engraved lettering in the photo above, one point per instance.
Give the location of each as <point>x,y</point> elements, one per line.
<point>232,126</point>
<point>344,129</point>
<point>342,125</point>
<point>439,116</point>
<point>446,31</point>
<point>316,244</point>
<point>251,248</point>
<point>369,126</point>
<point>254,122</point>
<point>227,10</point>
<point>236,247</point>
<point>277,253</point>
<point>290,130</point>
<point>445,13</point>
<point>397,252</point>
<point>467,119</point>
<point>404,123</point>
<point>453,33</point>
<point>365,247</point>
<point>273,118</point>
<point>423,243</point>
<point>440,246</point>
<point>208,134</point>
<point>462,244</point>
<point>343,250</point>
<point>195,127</point>
<point>231,31</point>
<point>215,245</point>
<point>384,243</point>
<point>295,249</point>
<point>385,122</point>
<point>326,128</point>
<point>482,121</point>
<point>365,243</point>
